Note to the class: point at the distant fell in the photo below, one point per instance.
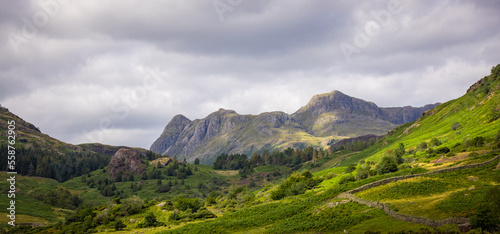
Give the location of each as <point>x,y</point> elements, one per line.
<point>325,119</point>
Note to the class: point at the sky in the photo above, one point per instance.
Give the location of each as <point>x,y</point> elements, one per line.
<point>117,71</point>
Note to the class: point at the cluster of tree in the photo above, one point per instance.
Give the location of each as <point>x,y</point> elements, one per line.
<point>354,144</point>
<point>86,219</point>
<point>59,197</point>
<point>52,164</point>
<point>391,162</point>
<point>175,168</point>
<point>295,184</point>
<point>187,209</point>
<point>434,148</point>
<point>105,185</point>
<point>488,213</point>
<point>288,157</point>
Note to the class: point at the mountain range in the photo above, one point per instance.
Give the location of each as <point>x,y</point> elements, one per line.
<point>326,119</point>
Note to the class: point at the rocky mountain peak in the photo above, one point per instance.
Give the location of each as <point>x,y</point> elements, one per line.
<point>220,114</point>
<point>180,118</point>
<point>333,115</point>
<point>337,101</point>
<point>171,133</point>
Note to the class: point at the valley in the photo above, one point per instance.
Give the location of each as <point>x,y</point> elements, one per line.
<point>338,164</point>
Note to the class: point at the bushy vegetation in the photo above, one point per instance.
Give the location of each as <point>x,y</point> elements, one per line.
<point>295,184</point>
<point>59,197</point>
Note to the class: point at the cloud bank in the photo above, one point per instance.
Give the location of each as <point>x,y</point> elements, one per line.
<point>116,72</point>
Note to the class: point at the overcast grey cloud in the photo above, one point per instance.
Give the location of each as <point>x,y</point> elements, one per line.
<point>117,71</point>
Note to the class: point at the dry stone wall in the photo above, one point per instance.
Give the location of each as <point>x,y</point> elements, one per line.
<point>407,218</point>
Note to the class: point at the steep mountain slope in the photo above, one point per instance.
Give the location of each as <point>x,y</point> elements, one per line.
<point>37,154</point>
<point>28,135</point>
<point>458,124</point>
<point>327,117</point>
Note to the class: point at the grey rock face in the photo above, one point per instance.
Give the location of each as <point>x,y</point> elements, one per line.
<point>170,134</point>
<point>333,115</point>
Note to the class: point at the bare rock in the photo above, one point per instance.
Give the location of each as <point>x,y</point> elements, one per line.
<point>125,161</point>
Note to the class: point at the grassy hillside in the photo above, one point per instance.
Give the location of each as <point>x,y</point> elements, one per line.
<point>466,124</point>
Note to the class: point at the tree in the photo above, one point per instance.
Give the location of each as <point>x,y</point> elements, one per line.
<point>265,157</point>
<point>485,219</point>
<point>119,225</point>
<point>255,160</point>
<point>197,161</point>
<point>387,165</point>
<point>435,142</point>
<point>455,126</point>
<point>119,176</point>
<point>149,221</point>
<point>350,168</point>
<point>423,145</point>
<point>131,206</point>
<point>399,152</point>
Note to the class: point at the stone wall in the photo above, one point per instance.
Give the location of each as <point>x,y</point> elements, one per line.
<point>397,178</point>
<point>407,218</point>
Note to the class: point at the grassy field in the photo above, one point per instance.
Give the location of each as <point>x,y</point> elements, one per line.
<point>449,194</point>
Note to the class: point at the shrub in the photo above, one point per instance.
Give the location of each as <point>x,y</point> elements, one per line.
<point>174,216</point>
<point>435,142</point>
<point>188,203</point>
<point>387,165</point>
<point>473,154</point>
<point>350,168</point>
<point>485,219</point>
<point>477,141</point>
<point>423,145</point>
<point>119,225</point>
<point>294,185</point>
<point>131,206</point>
<point>150,221</point>
<point>362,174</point>
<point>347,179</point>
<point>455,126</point>
<point>203,214</point>
<point>210,201</point>
<point>443,150</point>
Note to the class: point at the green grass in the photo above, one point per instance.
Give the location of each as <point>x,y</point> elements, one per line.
<point>31,207</point>
<point>439,196</point>
<point>385,224</point>
<point>25,205</point>
<point>406,189</point>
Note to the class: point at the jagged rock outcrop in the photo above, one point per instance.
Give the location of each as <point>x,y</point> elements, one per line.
<point>401,115</point>
<point>325,118</point>
<point>170,134</point>
<point>125,162</point>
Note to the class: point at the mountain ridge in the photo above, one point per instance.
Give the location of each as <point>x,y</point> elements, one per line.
<point>324,119</point>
